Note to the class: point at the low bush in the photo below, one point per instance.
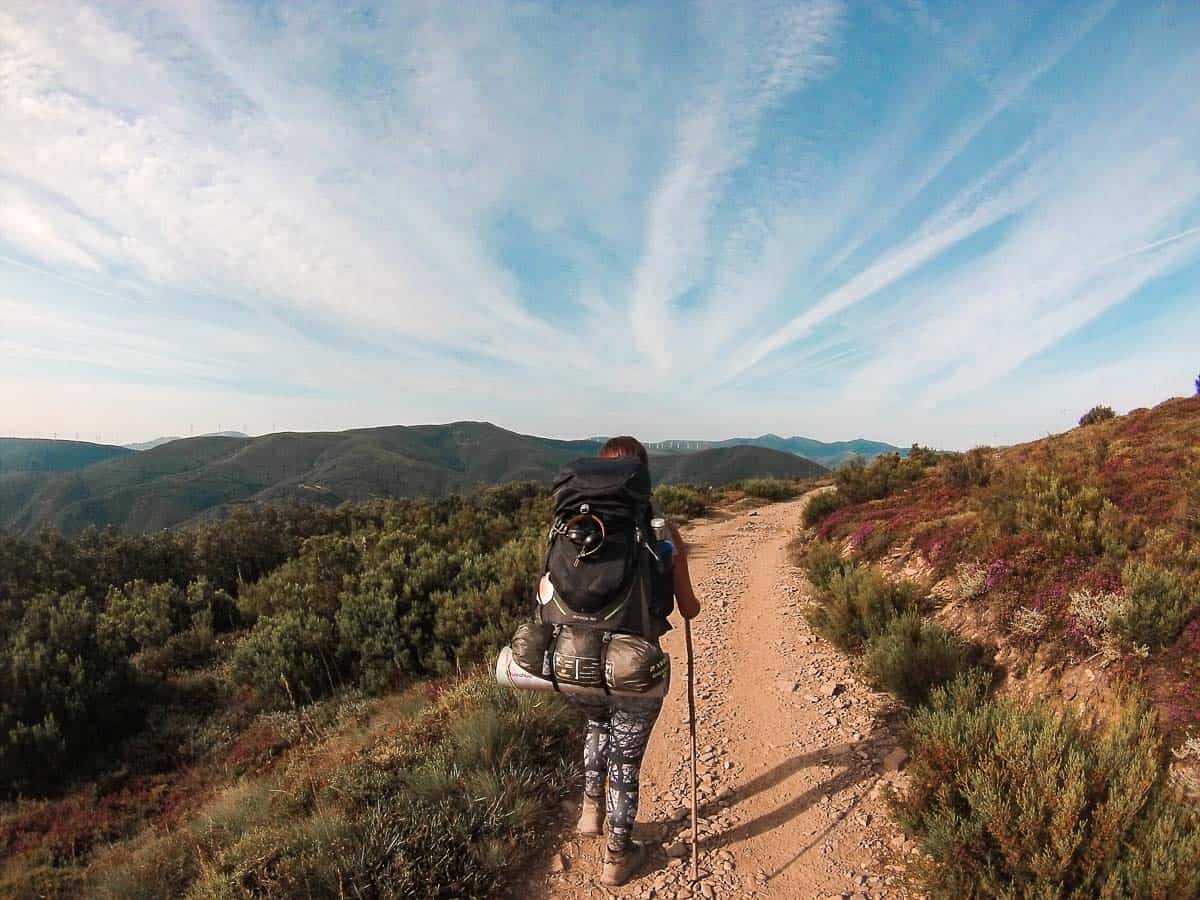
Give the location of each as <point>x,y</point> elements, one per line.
<point>442,806</point>
<point>821,505</point>
<point>1097,414</point>
<point>1071,518</point>
<point>1155,606</point>
<point>913,656</point>
<point>971,578</point>
<point>1027,623</point>
<point>859,604</point>
<point>287,658</point>
<point>64,693</point>
<point>773,490</point>
<point>1013,799</point>
<point>821,561</point>
<point>871,541</point>
<point>857,481</point>
<point>139,615</point>
<point>971,469</point>
<point>683,501</point>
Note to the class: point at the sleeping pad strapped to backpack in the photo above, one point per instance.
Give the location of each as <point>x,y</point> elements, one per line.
<point>608,594</point>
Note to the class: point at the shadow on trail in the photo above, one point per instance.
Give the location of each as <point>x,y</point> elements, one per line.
<point>848,770</point>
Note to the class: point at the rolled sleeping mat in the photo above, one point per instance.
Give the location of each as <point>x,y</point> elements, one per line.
<point>510,674</point>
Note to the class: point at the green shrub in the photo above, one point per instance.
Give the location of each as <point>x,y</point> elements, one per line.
<point>1155,606</point>
<point>821,561</point>
<point>139,615</point>
<point>858,605</point>
<point>821,505</point>
<point>64,694</point>
<point>971,469</point>
<point>858,482</point>
<point>680,500</point>
<point>771,489</point>
<point>1013,799</point>
<point>1070,518</point>
<point>914,656</point>
<point>285,658</point>
<point>185,650</point>
<point>1097,414</point>
<point>162,626</point>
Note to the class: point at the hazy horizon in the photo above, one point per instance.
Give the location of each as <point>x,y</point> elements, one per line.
<point>80,436</point>
<point>935,223</point>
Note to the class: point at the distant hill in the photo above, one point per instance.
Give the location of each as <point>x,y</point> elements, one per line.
<point>159,441</point>
<point>188,478</point>
<point>42,455</point>
<point>831,454</point>
<point>721,465</point>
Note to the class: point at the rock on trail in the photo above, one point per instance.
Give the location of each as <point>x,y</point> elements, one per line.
<point>794,750</point>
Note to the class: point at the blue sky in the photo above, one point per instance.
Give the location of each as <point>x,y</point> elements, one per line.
<point>947,223</point>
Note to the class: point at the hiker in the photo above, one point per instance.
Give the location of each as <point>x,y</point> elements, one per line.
<point>619,728</point>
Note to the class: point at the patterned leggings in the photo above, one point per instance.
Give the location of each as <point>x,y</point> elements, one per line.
<point>617,733</point>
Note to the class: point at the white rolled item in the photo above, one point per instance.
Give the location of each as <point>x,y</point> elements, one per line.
<point>511,675</point>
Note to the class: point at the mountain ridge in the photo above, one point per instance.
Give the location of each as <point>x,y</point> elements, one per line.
<point>190,478</point>
<point>159,441</point>
<point>53,455</point>
<point>830,454</point>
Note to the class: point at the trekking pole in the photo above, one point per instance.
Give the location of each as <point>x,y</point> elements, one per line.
<point>691,681</point>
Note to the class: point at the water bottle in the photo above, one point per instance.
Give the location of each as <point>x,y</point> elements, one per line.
<point>663,546</point>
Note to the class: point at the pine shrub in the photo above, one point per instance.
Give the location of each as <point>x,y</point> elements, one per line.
<point>913,656</point>
<point>64,693</point>
<point>859,604</point>
<point>1097,414</point>
<point>1013,799</point>
<point>286,658</point>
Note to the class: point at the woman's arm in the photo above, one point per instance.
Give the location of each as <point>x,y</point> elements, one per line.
<point>685,595</point>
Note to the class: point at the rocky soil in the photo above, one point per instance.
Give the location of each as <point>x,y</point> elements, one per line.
<point>795,751</point>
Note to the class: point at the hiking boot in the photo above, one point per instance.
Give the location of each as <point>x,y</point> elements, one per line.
<point>621,866</point>
<point>591,818</point>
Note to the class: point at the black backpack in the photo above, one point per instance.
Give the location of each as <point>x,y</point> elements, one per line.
<point>600,554</point>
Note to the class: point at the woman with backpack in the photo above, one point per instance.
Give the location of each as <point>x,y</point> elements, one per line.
<point>619,727</point>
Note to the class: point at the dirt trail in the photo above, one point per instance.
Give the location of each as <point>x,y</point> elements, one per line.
<point>794,748</point>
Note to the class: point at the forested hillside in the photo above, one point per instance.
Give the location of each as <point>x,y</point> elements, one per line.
<point>180,481</point>
<point>829,454</point>
<point>39,455</point>
<point>140,678</point>
<point>724,465</point>
<point>190,479</point>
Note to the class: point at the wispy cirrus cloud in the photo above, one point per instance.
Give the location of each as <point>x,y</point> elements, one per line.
<point>811,215</point>
<point>757,56</point>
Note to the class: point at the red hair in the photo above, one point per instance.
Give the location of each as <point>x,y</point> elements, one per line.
<point>617,447</point>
